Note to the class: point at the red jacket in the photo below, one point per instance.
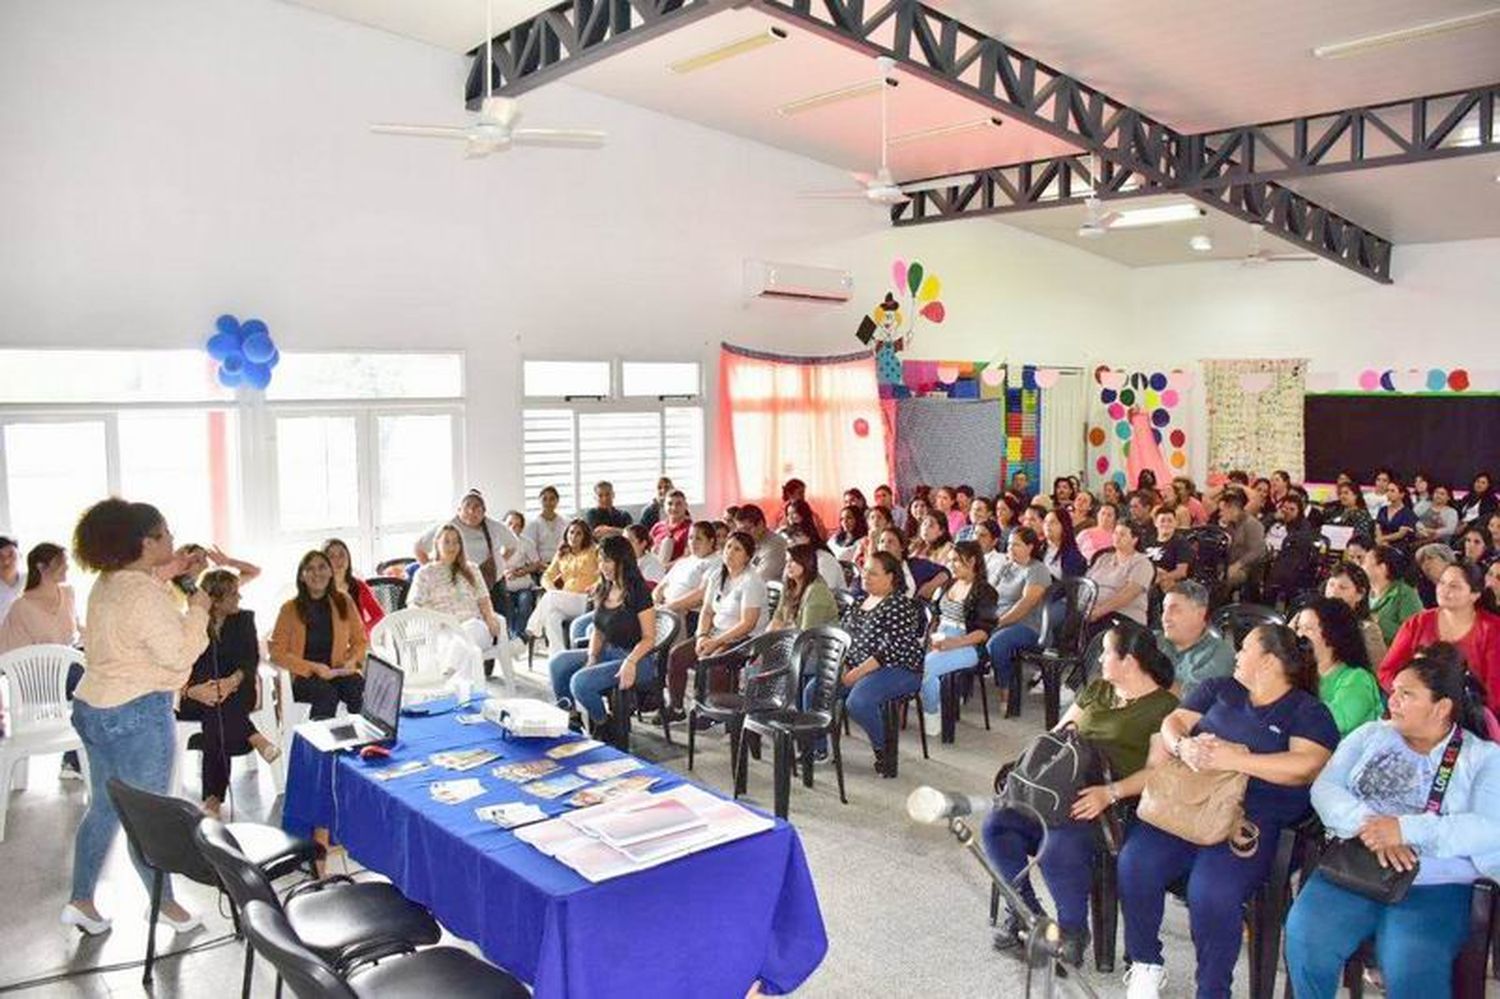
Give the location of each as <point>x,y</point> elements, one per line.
<point>370,611</point>
<point>1480,647</point>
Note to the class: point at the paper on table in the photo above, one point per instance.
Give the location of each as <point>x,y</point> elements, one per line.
<point>647,820</point>
<point>610,768</point>
<point>453,792</point>
<point>554,787</point>
<point>530,770</point>
<point>575,748</point>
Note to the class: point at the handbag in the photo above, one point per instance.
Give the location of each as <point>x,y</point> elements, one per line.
<point>487,567</point>
<point>1204,807</point>
<point>1350,864</point>
<point>1046,780</point>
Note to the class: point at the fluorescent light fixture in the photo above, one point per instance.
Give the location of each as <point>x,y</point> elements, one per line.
<point>866,89</point>
<point>728,51</point>
<point>1136,218</point>
<point>939,131</point>
<point>1201,243</point>
<point>1359,46</point>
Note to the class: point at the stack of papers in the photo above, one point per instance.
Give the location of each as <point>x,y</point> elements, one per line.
<point>554,787</point>
<point>510,815</point>
<point>400,770</point>
<point>522,772</point>
<point>611,789</point>
<point>575,748</point>
<point>464,759</point>
<point>453,792</point>
<point>636,831</point>
<point>610,768</point>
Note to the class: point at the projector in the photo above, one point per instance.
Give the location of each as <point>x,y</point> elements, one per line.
<point>527,718</point>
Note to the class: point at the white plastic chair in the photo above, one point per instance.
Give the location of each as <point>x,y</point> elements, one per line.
<point>40,716</point>
<point>430,647</point>
<point>267,722</point>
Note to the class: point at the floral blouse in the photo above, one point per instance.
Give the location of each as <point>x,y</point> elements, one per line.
<point>891,633</point>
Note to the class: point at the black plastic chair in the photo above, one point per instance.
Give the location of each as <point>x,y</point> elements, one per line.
<point>1235,621</point>
<point>773,598</point>
<point>438,971</point>
<point>954,687</point>
<point>390,592</point>
<point>160,830</point>
<point>342,920</point>
<point>818,653</point>
<point>763,678</point>
<point>1472,963</point>
<point>625,703</point>
<point>845,599</point>
<point>1209,563</point>
<point>895,711</point>
<point>1064,649</point>
<point>400,562</point>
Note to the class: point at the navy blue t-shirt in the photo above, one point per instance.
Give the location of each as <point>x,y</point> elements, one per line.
<point>1227,713</point>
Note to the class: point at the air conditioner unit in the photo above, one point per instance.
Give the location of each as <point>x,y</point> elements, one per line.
<point>765,279</point>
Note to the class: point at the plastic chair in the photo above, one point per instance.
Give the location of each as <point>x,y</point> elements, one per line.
<point>40,715</point>
<point>437,971</point>
<point>895,711</point>
<point>341,920</point>
<point>161,831</point>
<point>1235,621</point>
<point>624,703</point>
<point>266,722</point>
<point>949,693</point>
<point>430,648</point>
<point>390,592</point>
<point>1209,563</point>
<point>761,677</point>
<point>1063,649</point>
<point>773,598</point>
<point>818,653</point>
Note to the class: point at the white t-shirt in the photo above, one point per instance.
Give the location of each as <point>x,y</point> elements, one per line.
<point>475,549</point>
<point>686,575</point>
<point>546,535</point>
<point>729,604</point>
<point>831,570</point>
<point>524,553</point>
<point>651,567</point>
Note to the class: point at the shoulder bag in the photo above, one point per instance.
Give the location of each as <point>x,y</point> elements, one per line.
<point>1046,780</point>
<point>1206,807</point>
<point>487,568</point>
<point>1350,864</point>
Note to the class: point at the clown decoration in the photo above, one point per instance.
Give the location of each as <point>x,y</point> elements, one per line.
<point>889,329</point>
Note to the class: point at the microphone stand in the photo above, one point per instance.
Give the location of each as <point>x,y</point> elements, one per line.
<point>1043,935</point>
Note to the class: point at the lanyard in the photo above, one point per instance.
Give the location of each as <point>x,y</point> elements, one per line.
<point>1444,772</point>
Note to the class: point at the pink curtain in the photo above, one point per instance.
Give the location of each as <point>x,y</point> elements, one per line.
<point>818,419</point>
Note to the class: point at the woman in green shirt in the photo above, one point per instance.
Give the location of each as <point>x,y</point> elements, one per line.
<point>806,601</point>
<point>1392,599</point>
<point>1346,683</point>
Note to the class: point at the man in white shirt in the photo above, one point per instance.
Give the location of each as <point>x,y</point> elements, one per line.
<point>545,530</point>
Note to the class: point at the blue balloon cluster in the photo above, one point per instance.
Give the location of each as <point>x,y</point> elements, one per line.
<point>245,352</point>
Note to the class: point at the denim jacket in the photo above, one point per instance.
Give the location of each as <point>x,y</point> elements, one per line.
<point>1374,772</point>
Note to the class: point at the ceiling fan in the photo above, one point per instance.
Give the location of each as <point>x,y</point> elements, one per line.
<point>1098,221</point>
<point>494,128</point>
<point>1259,256</point>
<point>879,187</point>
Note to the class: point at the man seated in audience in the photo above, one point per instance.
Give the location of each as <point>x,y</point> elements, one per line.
<point>1293,546</point>
<point>769,560</point>
<point>1020,484</point>
<point>1247,539</point>
<point>1169,550</point>
<point>545,530</point>
<point>657,508</point>
<point>669,535</point>
<point>1197,652</point>
<point>604,518</point>
<point>1138,511</point>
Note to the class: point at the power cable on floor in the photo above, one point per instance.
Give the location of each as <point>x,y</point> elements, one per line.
<point>102,969</point>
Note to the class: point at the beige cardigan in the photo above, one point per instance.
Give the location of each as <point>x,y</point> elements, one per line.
<point>139,639</point>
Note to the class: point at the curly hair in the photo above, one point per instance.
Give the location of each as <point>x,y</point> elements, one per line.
<point>1340,630</point>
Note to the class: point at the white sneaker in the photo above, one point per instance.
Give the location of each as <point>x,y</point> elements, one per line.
<point>933,721</point>
<point>74,916</point>
<point>1145,981</point>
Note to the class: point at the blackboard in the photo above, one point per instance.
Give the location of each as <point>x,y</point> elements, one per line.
<point>1448,436</point>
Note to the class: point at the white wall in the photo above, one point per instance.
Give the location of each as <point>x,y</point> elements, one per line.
<point>169,160</point>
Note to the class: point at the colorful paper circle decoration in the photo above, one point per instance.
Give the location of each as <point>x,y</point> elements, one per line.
<point>245,352</point>
<point>861,427</point>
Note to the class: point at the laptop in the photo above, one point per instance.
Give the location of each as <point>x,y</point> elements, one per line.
<point>378,717</point>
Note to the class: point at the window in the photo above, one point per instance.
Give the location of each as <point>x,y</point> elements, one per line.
<point>563,379</point>
<point>54,470</point>
<point>108,376</point>
<point>317,473</point>
<point>672,378</point>
<point>185,462</point>
<point>311,376</point>
<point>548,440</point>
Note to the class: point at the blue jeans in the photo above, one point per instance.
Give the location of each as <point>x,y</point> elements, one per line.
<point>938,664</point>
<point>1416,940</point>
<point>1012,838</point>
<point>579,627</point>
<point>586,686</point>
<point>1219,883</point>
<point>517,606</point>
<point>1004,644</point>
<point>866,699</point>
<point>75,675</point>
<point>135,742</point>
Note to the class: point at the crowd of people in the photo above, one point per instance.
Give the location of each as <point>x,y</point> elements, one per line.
<point>1391,657</point>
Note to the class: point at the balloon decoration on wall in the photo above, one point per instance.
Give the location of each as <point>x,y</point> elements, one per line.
<point>245,352</point>
<point>891,327</point>
<point>1159,400</point>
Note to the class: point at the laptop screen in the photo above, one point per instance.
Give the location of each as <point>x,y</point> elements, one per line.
<point>382,703</point>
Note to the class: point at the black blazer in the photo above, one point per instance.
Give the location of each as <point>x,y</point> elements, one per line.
<point>236,648</point>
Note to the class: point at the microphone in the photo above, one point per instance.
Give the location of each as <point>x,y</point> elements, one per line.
<point>928,804</point>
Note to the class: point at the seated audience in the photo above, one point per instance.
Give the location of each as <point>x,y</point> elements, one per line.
<point>320,640</point>
<point>795,514</point>
<point>885,655</point>
<point>806,599</point>
<point>193,560</point>
<point>653,513</point>
<point>734,609</point>
<point>933,542</point>
<point>1392,599</point>
<point>1085,509</point>
<point>1348,582</point>
<point>1376,498</point>
<point>769,551</point>
<point>1431,560</point>
<point>1060,553</point>
<point>11,579</point>
<point>855,497</point>
<point>1293,546</point>
<point>1266,722</point>
<point>545,530</point>
<point>852,531</point>
<point>1350,511</point>
<point>1474,546</point>
<point>1124,576</point>
<point>1100,537</point>
<point>1021,590</point>
<point>1247,539</point>
<point>1063,493</point>
<point>44,613</point>
<point>987,536</point>
<point>884,496</point>
<point>517,588</point>
<point>668,534</point>
<point>1020,484</point>
<point>450,584</point>
<point>1169,551</point>
<point>1008,509</point>
<point>646,561</point>
<point>967,611</point>
<point>1140,511</point>
<point>1118,714</point>
<point>485,539</point>
<point>945,506</point>
<point>1439,522</point>
<point>1421,494</point>
<point>829,568</point>
<point>1395,524</point>
<point>1113,492</point>
<point>1493,526</point>
<point>604,518</point>
<point>681,589</point>
<point>1479,502</point>
<point>620,644</point>
<point>980,509</point>
<point>1458,619</point>
<point>1379,789</point>
<point>566,583</point>
<point>1346,681</point>
<point>347,583</point>
<point>917,509</point>
<point>1196,651</point>
<point>1185,495</point>
<point>223,689</point>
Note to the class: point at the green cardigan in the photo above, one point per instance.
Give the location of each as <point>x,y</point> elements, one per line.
<point>818,608</point>
<point>1394,606</point>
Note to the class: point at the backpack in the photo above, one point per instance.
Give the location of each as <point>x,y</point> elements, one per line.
<point>1045,781</point>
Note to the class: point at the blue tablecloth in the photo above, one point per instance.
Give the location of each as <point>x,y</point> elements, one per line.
<point>706,925</point>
